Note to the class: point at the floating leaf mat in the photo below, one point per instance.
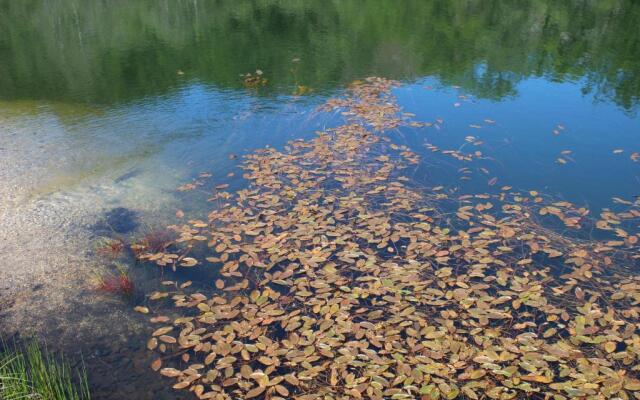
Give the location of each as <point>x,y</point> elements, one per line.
<point>338,279</point>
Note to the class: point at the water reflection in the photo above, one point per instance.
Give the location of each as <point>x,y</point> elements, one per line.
<point>99,52</point>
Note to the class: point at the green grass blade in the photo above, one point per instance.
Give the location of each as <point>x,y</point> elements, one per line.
<point>35,373</point>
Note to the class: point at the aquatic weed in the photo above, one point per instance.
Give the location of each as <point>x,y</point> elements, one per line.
<point>116,283</point>
<point>110,247</point>
<point>153,241</point>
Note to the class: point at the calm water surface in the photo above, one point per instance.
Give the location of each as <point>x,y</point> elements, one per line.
<point>107,105</point>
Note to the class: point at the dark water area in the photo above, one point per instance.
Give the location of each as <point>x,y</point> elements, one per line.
<point>116,115</point>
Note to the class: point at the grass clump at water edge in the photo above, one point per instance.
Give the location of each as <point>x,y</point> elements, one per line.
<point>34,373</point>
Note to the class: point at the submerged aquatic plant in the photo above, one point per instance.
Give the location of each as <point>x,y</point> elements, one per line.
<point>110,247</point>
<point>116,283</point>
<point>341,279</point>
<point>153,242</point>
<point>35,373</point>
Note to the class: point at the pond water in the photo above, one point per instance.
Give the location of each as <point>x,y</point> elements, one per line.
<point>108,108</point>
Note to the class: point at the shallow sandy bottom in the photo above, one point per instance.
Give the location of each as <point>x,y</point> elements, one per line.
<point>47,285</point>
<point>63,169</point>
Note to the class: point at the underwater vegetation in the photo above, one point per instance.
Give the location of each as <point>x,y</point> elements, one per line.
<point>34,373</point>
<point>111,248</point>
<point>118,283</point>
<point>342,279</point>
<point>154,241</point>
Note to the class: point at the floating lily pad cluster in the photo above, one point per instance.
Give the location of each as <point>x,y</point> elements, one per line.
<point>340,279</point>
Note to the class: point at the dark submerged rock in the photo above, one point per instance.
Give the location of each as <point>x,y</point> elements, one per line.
<point>117,220</point>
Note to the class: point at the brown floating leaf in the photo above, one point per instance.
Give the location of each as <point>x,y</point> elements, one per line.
<point>152,344</point>
<point>156,364</point>
<point>170,372</point>
<point>188,262</point>
<point>337,277</point>
<point>254,392</point>
<point>536,378</point>
<point>163,330</point>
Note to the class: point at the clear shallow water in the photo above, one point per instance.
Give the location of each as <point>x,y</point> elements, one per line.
<point>106,105</point>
